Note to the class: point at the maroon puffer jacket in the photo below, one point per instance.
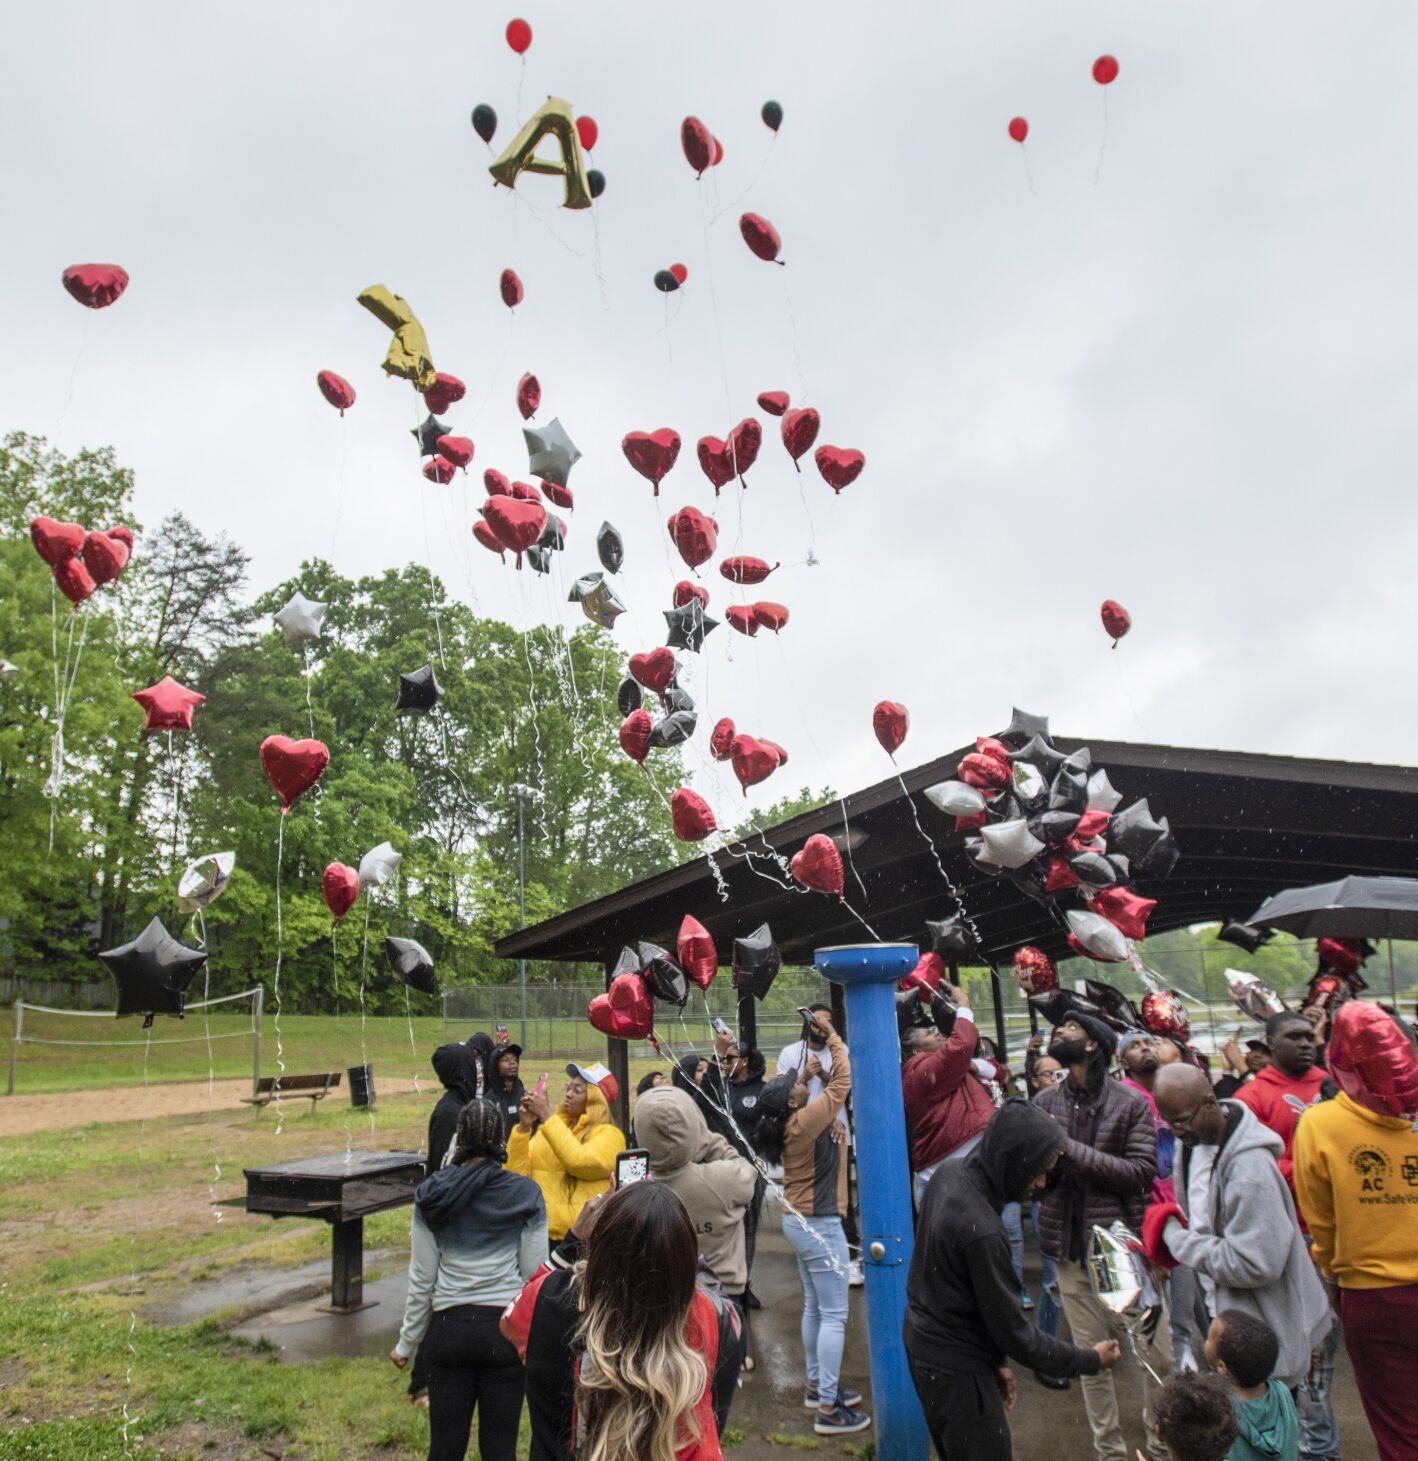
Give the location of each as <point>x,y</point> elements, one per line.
<point>1107,1167</point>
<point>945,1104</point>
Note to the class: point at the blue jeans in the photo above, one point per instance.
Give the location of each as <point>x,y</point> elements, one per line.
<point>820,1247</point>
<point>1319,1431</point>
<point>1013,1219</point>
<point>1050,1309</point>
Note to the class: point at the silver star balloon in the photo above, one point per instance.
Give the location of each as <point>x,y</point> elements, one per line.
<point>551,453</point>
<point>299,621</point>
<point>7,670</point>
<point>204,880</point>
<point>378,865</point>
<point>602,606</point>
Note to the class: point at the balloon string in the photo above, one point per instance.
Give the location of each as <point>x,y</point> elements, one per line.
<point>309,706</point>
<point>1028,171</point>
<point>734,206</point>
<point>280,945</point>
<point>335,962</point>
<point>861,920</point>
<point>1103,145</point>
<point>793,323</point>
<point>714,304</point>
<point>211,1062</point>
<point>413,1048</point>
<point>54,789</point>
<point>73,378</point>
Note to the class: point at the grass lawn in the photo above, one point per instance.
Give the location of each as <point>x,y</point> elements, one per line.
<point>102,1224</point>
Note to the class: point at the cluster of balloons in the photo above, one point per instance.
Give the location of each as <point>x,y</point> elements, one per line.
<point>81,559</point>
<point>1105,72</point>
<point>1049,821</point>
<point>753,758</point>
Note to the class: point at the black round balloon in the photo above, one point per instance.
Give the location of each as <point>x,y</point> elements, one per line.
<point>666,282</point>
<point>485,124</point>
<point>596,181</point>
<point>610,548</point>
<point>629,696</point>
<point>662,972</point>
<point>772,115</point>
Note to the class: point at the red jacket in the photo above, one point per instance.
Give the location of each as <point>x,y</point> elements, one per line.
<point>1279,1101</point>
<point>945,1104</point>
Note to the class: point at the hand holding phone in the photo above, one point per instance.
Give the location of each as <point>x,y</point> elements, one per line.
<point>632,1165</point>
<point>721,1027</point>
<point>542,1084</point>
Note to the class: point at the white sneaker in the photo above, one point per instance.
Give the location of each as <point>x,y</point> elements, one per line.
<point>856,1274</point>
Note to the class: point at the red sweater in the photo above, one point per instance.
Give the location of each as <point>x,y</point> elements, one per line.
<point>1279,1101</point>
<point>945,1104</point>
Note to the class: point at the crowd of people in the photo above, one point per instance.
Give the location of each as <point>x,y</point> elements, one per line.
<point>1267,1202</point>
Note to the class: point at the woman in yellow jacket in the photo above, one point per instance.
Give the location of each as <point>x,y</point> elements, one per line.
<point>570,1152</point>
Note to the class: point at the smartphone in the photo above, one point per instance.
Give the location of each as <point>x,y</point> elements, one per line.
<point>721,1027</point>
<point>542,1084</point>
<point>632,1165</point>
<point>503,1037</point>
<point>809,1018</point>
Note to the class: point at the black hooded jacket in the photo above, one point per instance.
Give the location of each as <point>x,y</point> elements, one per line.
<point>456,1067</point>
<point>739,1097</point>
<point>508,1098</point>
<point>963,1311</point>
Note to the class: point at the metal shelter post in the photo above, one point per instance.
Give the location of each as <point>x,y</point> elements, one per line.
<point>257,1012</point>
<point>867,974</point>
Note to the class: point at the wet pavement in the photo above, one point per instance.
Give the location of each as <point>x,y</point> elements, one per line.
<point>283,1308</point>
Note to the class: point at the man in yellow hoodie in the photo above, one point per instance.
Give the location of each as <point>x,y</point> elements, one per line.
<point>569,1152</point>
<point>1356,1177</point>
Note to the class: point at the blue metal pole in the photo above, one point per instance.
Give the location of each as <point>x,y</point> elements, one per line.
<point>868,974</point>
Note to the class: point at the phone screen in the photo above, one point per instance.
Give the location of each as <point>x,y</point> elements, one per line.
<point>632,1166</point>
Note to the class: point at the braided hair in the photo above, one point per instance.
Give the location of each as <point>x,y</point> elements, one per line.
<point>481,1133</point>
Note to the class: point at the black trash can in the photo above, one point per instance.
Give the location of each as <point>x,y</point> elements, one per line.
<point>361,1085</point>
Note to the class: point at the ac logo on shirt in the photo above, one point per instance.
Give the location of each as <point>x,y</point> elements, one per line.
<point>1373,1167</point>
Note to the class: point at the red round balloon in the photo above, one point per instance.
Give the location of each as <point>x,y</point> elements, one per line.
<point>445,390</point>
<point>1105,70</point>
<point>337,390</point>
<point>519,35</point>
<point>587,131</point>
<point>1019,129</point>
<point>511,289</point>
<point>680,272</point>
<point>740,617</point>
<point>339,887</point>
<point>698,144</point>
<point>744,569</point>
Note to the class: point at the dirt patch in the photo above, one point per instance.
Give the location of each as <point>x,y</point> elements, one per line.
<point>25,1115</point>
<point>193,1441</point>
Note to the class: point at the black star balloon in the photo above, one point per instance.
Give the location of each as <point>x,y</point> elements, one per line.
<point>756,962</point>
<point>552,538</point>
<point>1244,935</point>
<point>628,963</point>
<point>674,729</point>
<point>1036,751</point>
<point>688,626</point>
<point>1162,856</point>
<point>1053,827</point>
<point>1024,728</point>
<point>427,433</point>
<point>152,972</point>
<point>1094,869</point>
<point>418,692</point>
<point>950,935</point>
<point>610,547</point>
<point>629,696</point>
<point>662,972</point>
<point>1058,1004</point>
<point>1070,789</point>
<point>411,962</point>
<point>539,558</point>
<point>677,699</point>
<point>1133,832</point>
<point>1117,1008</point>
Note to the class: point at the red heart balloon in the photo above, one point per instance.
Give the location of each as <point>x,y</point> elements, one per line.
<point>840,465</point>
<point>654,669</point>
<point>744,441</point>
<point>799,431</point>
<point>1116,619</point>
<point>696,952</point>
<point>124,536</point>
<point>439,469</point>
<point>695,534</point>
<point>510,288</point>
<point>761,237</point>
<point>529,395</point>
<point>105,556</point>
<point>721,741</point>
<point>819,865</point>
<point>774,746</point>
<point>488,538</point>
<point>75,581</point>
<point>698,143</point>
<point>686,592</point>
<point>515,524</point>
<point>745,570</point>
<point>635,735</point>
<point>890,721</point>
<point>1372,1060</point>
<point>524,492</point>
<point>984,773</point>
<point>292,767</point>
<point>769,616</point>
<point>96,285</point>
<point>445,390</point>
<point>339,888</point>
<point>927,975</point>
<point>55,542</point>
<point>497,485</point>
<point>752,761</point>
<point>740,617</point>
<point>626,1011</point>
<point>691,815</point>
<point>716,460</point>
<point>457,449</point>
<point>336,389</point>
<point>559,495</point>
<point>774,402</point>
<point>1126,910</point>
<point>652,453</point>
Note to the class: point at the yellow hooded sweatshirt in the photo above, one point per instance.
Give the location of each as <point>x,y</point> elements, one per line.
<point>571,1164</point>
<point>1356,1178</point>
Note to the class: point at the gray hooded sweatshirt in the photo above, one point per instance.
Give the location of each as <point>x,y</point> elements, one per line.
<point>1248,1243</point>
<point>712,1180</point>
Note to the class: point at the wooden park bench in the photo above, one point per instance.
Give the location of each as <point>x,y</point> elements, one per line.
<point>312,1087</point>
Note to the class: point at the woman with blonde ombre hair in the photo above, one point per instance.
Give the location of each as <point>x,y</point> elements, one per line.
<point>623,1350</point>
<point>568,1152</point>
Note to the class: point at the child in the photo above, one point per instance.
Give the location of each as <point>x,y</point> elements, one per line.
<point>1195,1417</point>
<point>1244,1349</point>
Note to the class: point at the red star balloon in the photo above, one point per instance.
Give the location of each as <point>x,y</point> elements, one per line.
<point>168,705</point>
<point>696,953</point>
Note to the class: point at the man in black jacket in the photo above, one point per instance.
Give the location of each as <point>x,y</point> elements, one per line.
<point>963,1315</point>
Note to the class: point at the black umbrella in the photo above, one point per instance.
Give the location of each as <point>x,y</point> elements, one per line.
<point>1350,908</point>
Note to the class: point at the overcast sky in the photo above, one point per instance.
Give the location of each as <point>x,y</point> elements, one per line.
<point>1184,380</point>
